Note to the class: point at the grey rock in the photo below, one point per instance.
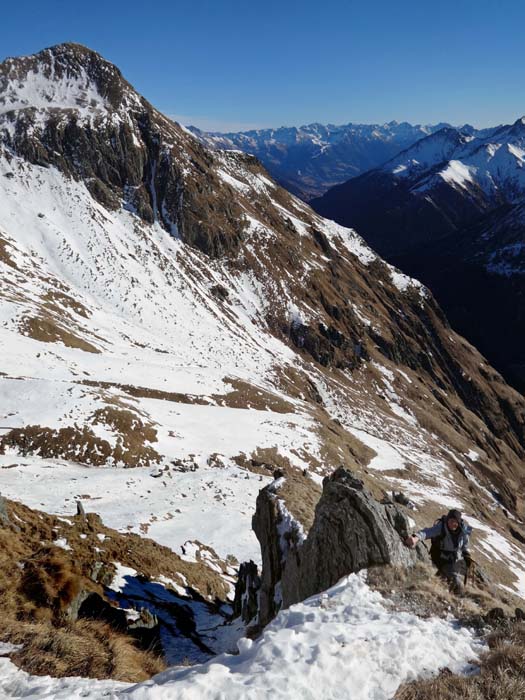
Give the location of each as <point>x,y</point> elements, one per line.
<point>81,513</point>
<point>351,531</point>
<point>5,520</point>
<point>264,524</point>
<point>245,604</point>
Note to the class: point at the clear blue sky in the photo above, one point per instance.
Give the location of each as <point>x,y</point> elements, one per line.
<point>230,64</point>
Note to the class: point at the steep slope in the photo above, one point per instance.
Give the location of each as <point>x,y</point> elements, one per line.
<point>171,308</point>
<point>450,211</point>
<point>120,596</point>
<point>309,159</point>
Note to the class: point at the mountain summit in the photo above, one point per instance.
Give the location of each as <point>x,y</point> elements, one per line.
<point>67,76</point>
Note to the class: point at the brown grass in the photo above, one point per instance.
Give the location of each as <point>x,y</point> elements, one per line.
<point>244,395</point>
<point>85,648</point>
<point>57,301</point>
<point>47,330</point>
<point>39,581</point>
<point>50,581</point>
<point>141,392</point>
<point>420,591</point>
<point>4,254</point>
<point>33,604</point>
<point>501,677</point>
<point>300,495</point>
<point>83,446</point>
<point>133,434</point>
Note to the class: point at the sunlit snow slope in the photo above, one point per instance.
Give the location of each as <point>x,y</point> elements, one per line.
<point>345,643</point>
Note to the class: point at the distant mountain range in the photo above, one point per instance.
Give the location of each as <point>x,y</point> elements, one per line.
<point>451,210</point>
<point>308,160</point>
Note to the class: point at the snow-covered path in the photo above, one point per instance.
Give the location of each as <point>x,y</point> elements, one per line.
<point>344,644</point>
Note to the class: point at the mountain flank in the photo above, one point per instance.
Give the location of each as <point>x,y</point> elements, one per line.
<point>449,210</point>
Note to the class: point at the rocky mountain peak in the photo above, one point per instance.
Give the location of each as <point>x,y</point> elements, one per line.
<point>66,76</point>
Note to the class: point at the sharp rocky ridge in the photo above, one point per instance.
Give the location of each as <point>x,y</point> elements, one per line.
<point>171,308</point>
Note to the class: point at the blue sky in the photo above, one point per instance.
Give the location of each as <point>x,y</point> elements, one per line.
<point>233,65</point>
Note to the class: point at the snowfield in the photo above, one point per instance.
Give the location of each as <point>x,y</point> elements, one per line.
<point>344,644</point>
<point>212,505</point>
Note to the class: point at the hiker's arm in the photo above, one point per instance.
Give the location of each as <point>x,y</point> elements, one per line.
<point>424,534</point>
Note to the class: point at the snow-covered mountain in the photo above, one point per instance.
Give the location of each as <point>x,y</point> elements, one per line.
<point>309,159</point>
<point>450,210</point>
<point>170,308</point>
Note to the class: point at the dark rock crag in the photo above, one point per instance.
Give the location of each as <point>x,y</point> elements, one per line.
<point>351,531</point>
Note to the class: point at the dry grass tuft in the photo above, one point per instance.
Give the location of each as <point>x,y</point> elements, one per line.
<point>49,580</point>
<point>446,686</point>
<point>85,648</point>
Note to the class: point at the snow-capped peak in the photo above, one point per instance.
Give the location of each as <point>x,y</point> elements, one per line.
<point>66,76</point>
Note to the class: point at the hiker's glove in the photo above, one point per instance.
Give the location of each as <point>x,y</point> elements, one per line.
<point>468,560</point>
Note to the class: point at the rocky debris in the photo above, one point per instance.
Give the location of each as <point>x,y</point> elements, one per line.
<point>402,499</point>
<point>351,531</point>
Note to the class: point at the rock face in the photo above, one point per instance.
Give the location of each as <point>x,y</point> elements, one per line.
<point>351,531</point>
<point>246,591</point>
<point>116,142</point>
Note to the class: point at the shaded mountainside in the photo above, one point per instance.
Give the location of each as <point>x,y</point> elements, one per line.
<point>449,210</point>
<point>309,159</point>
<point>171,308</point>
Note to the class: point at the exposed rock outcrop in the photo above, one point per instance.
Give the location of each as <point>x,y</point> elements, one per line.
<point>247,589</point>
<point>351,531</point>
<point>4,515</point>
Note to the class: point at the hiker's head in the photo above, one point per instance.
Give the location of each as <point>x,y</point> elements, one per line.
<point>453,519</point>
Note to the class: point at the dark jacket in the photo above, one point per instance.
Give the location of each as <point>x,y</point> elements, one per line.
<point>453,545</point>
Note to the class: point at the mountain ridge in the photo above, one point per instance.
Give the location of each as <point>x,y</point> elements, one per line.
<point>446,209</point>
<point>309,159</point>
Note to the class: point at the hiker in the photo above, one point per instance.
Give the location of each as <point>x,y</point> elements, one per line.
<point>449,550</point>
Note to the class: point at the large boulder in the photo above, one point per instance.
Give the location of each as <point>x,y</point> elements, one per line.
<point>351,531</point>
